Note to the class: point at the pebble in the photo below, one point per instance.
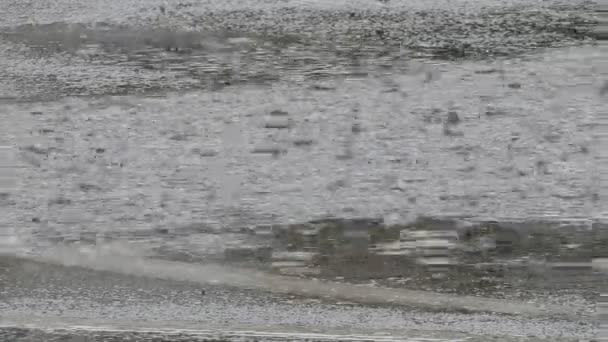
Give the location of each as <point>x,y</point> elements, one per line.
<point>453,118</point>
<point>514,85</point>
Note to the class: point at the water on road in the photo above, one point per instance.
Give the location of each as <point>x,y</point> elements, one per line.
<point>138,119</point>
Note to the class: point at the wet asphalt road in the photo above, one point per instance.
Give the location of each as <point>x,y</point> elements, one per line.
<point>132,47</point>
<point>369,88</point>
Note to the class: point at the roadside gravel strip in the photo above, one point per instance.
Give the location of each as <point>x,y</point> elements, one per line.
<point>101,333</point>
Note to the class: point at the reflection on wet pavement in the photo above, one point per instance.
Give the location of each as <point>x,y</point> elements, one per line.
<point>446,255</point>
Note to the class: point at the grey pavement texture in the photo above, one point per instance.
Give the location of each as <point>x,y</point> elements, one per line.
<point>130,118</point>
